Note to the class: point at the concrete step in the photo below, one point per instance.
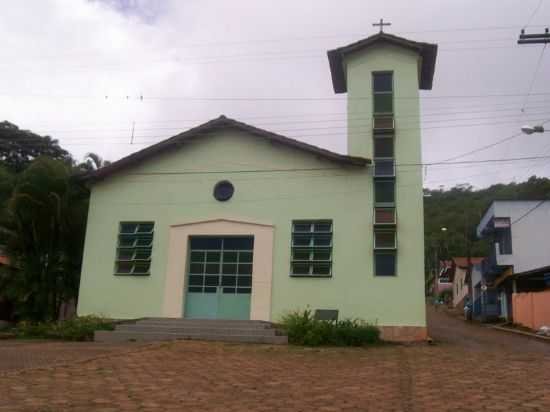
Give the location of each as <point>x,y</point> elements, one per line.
<point>205,329</point>
<point>125,336</point>
<point>178,322</point>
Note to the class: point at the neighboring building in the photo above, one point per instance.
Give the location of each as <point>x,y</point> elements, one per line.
<point>485,304</point>
<point>461,279</point>
<point>531,301</point>
<point>227,220</point>
<point>518,234</point>
<point>4,260</point>
<point>6,307</point>
<point>444,278</point>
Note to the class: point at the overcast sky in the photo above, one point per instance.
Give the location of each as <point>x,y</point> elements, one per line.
<point>83,71</point>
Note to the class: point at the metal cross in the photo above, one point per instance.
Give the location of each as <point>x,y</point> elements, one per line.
<point>381,25</point>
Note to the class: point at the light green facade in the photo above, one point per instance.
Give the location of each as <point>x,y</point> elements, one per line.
<point>343,194</point>
<point>408,151</point>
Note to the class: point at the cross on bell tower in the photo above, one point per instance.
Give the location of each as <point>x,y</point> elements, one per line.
<point>381,25</point>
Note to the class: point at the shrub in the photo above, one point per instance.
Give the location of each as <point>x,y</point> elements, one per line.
<point>303,329</point>
<point>77,329</point>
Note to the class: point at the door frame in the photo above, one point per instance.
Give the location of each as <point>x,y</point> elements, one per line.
<point>217,302</point>
<point>262,262</point>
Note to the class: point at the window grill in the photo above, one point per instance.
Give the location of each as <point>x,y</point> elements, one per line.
<point>311,253</point>
<point>134,249</point>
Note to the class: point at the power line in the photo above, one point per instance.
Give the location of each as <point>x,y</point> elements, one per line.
<point>535,73</point>
<point>438,112</point>
<point>512,159</point>
<point>528,212</point>
<point>339,131</point>
<point>281,55</point>
<point>87,141</point>
<point>269,99</point>
<point>137,66</point>
<point>479,149</point>
<point>343,35</point>
<point>345,114</point>
<point>544,150</point>
<point>208,172</point>
<point>482,28</point>
<point>532,15</point>
<point>368,121</point>
<point>290,53</point>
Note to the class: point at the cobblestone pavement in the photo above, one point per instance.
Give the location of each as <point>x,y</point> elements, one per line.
<point>200,376</point>
<point>21,354</point>
<point>454,331</point>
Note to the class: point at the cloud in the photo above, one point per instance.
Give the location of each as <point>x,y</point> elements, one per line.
<point>147,10</point>
<point>77,70</point>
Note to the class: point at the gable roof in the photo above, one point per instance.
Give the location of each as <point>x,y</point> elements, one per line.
<point>427,51</point>
<point>219,123</point>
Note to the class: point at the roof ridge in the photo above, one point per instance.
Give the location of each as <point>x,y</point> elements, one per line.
<point>213,124</point>
<point>427,51</point>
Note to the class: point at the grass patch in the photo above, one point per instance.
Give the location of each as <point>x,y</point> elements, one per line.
<point>76,329</point>
<point>303,329</point>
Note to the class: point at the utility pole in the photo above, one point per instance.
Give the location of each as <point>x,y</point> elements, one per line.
<point>468,262</point>
<point>538,38</point>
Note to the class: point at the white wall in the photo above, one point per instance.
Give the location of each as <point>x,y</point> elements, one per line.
<point>530,235</point>
<point>460,287</point>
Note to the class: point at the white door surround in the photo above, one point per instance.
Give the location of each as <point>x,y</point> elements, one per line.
<point>262,264</point>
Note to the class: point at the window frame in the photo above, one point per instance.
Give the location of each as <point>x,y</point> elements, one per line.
<point>312,249</point>
<point>377,223</point>
<point>380,127</point>
<point>392,252</point>
<point>135,247</point>
<point>375,93</point>
<point>216,256</point>
<point>385,181</point>
<point>378,163</point>
<point>503,237</point>
<point>378,137</point>
<point>392,231</point>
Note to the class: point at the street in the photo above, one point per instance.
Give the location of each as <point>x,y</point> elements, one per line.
<point>469,368</point>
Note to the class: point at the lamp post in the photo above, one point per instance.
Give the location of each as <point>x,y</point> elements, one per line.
<point>532,129</point>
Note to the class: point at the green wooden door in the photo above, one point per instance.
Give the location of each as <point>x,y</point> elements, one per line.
<point>219,278</point>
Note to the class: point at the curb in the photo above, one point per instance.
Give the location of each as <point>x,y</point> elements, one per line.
<point>520,332</point>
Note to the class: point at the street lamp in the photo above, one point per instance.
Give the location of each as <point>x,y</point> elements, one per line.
<point>532,129</point>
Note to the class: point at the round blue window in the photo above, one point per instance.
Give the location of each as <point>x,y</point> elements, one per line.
<point>223,190</point>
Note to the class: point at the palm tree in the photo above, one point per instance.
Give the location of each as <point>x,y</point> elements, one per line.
<point>42,224</point>
<point>93,161</point>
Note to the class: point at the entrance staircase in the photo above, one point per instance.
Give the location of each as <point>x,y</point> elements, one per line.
<point>161,329</point>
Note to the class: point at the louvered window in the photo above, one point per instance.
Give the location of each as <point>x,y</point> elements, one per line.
<point>135,245</point>
<point>311,248</point>
<point>384,216</point>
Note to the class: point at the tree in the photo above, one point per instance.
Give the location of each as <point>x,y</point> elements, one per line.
<point>42,225</point>
<point>93,161</point>
<point>18,148</point>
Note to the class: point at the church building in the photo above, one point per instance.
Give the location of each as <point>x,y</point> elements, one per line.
<point>230,221</point>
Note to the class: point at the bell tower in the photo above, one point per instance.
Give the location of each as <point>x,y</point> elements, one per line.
<point>382,76</point>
